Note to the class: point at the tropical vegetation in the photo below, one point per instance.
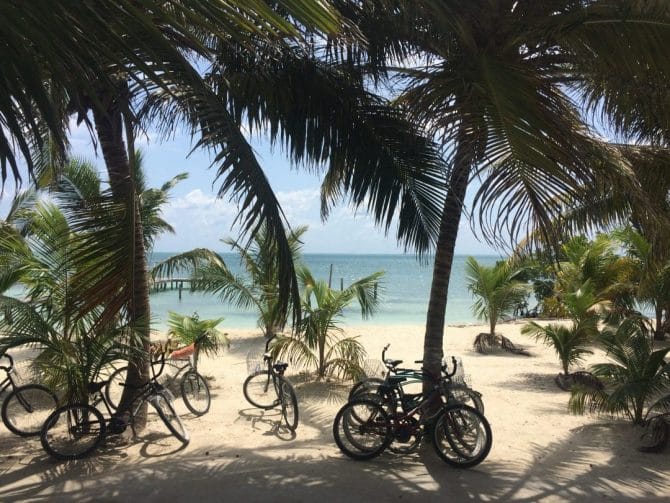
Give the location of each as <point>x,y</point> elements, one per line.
<point>316,342</point>
<point>498,291</point>
<point>637,376</point>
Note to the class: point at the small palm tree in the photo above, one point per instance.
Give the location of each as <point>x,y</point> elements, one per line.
<point>317,342</point>
<point>571,342</point>
<point>498,291</point>
<point>637,375</point>
<point>188,329</point>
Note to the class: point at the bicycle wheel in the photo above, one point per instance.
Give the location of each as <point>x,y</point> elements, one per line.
<point>26,407</point>
<point>466,396</point>
<point>462,436</point>
<point>195,392</point>
<point>114,387</point>
<point>362,429</point>
<point>170,417</point>
<point>73,431</point>
<point>261,391</point>
<point>369,385</point>
<point>289,404</point>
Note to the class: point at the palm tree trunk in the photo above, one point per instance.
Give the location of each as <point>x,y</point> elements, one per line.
<point>109,128</point>
<point>444,257</point>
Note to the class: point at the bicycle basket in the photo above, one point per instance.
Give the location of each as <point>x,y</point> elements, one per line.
<point>374,368</point>
<point>255,362</point>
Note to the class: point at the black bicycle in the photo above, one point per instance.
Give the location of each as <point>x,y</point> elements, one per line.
<point>25,408</point>
<point>452,389</point>
<point>390,418</point>
<point>192,386</point>
<point>76,430</point>
<point>268,388</point>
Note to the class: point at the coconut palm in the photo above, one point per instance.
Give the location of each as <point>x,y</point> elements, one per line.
<point>44,256</point>
<point>73,349</point>
<point>585,308</point>
<point>317,342</point>
<point>489,80</point>
<point>498,291</point>
<point>108,59</point>
<point>637,375</point>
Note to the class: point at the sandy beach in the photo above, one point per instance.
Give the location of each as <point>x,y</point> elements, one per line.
<point>239,453</point>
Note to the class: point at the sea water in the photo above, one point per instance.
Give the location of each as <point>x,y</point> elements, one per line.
<point>403,291</point>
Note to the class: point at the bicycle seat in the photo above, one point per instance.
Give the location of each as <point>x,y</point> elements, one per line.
<point>280,367</point>
<point>392,363</point>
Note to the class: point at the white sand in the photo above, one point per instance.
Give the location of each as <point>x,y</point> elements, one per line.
<point>238,453</point>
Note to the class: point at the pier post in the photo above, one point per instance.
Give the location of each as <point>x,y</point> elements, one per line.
<point>181,285</point>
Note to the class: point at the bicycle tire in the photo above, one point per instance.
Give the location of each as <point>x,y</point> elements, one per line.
<point>467,396</point>
<point>114,388</point>
<point>195,393</point>
<point>171,419</point>
<point>73,431</point>
<point>25,409</point>
<point>289,404</point>
<point>260,390</point>
<point>366,386</point>
<point>363,434</point>
<point>462,436</point>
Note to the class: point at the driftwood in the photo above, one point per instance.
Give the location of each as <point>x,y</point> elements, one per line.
<point>485,342</point>
<point>580,378</point>
<point>655,438</point>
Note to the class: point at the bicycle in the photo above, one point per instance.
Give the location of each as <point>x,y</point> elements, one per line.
<point>259,393</point>
<point>193,387</point>
<point>25,408</point>
<point>76,430</point>
<point>370,423</point>
<point>458,391</point>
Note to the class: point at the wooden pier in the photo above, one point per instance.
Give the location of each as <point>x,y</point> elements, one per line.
<point>164,284</point>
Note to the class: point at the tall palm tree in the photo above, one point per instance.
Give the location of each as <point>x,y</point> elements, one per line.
<point>490,80</point>
<point>498,290</point>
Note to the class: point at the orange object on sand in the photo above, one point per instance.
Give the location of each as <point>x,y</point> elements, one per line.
<point>183,353</point>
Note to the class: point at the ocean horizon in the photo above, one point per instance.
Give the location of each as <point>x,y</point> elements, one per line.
<point>403,290</point>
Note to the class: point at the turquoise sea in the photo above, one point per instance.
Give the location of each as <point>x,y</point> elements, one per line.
<point>404,291</point>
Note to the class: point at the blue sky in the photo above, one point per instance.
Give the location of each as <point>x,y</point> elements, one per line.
<point>201,219</point>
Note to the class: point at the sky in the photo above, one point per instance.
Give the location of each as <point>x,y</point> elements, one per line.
<point>200,219</point>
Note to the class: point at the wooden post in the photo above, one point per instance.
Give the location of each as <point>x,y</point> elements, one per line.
<point>330,276</point>
<point>341,284</point>
<point>181,285</point>
<point>375,290</point>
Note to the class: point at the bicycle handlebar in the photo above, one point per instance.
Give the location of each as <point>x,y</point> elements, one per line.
<point>443,368</point>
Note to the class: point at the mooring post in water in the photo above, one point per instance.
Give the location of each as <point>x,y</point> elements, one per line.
<point>341,284</point>
<point>375,291</point>
<point>330,276</point>
<point>181,285</point>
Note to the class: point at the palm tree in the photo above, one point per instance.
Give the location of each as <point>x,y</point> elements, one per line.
<point>73,348</point>
<point>498,291</point>
<point>259,288</point>
<point>43,253</point>
<point>133,51</point>
<point>584,308</point>
<point>315,342</point>
<point>189,329</point>
<point>493,90</point>
<point>637,375</point>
